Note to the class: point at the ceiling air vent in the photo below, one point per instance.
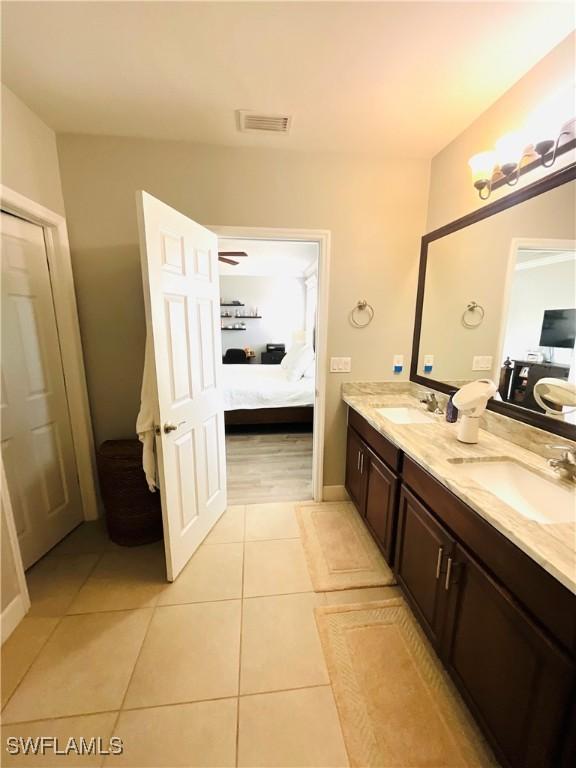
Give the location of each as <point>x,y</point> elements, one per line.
<point>254,121</point>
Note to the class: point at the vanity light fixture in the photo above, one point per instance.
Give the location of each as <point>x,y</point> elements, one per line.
<point>544,136</point>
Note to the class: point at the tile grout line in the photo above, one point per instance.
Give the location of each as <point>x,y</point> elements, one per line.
<point>240,642</point>
<point>184,703</point>
<point>49,636</point>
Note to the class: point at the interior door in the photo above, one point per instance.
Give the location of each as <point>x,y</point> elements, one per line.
<point>182,299</point>
<point>37,446</point>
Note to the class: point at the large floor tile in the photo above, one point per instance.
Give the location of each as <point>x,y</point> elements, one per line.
<point>213,573</point>
<point>200,735</point>
<point>54,582</point>
<point>89,538</point>
<point>63,729</point>
<point>21,648</point>
<point>230,527</point>
<point>191,653</point>
<point>291,728</point>
<point>365,595</point>
<point>124,578</point>
<point>271,521</point>
<point>275,568</point>
<point>280,644</point>
<point>84,667</point>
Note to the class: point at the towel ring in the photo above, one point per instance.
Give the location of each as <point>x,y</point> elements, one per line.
<point>473,307</point>
<point>361,306</point>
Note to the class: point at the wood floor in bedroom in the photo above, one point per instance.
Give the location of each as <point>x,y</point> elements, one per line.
<point>269,467</point>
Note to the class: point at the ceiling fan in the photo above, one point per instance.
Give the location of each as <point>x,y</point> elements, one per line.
<point>225,256</point>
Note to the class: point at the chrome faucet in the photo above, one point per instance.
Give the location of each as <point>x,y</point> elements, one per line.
<point>431,403</point>
<point>566,464</point>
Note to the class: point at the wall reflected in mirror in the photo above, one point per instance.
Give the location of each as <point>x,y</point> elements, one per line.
<point>500,302</point>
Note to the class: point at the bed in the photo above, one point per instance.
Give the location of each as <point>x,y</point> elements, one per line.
<point>263,394</point>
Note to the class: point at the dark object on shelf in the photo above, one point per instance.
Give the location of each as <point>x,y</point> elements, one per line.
<point>232,304</point>
<point>231,328</point>
<point>133,513</point>
<point>451,411</point>
<point>275,347</point>
<point>272,358</point>
<point>235,357</point>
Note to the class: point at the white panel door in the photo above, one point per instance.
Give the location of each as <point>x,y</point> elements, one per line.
<point>182,298</point>
<point>37,445</point>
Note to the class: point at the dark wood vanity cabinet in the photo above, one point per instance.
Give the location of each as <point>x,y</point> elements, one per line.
<point>515,679</point>
<point>355,476</point>
<point>504,628</point>
<point>422,551</point>
<point>381,503</point>
<point>371,482</point>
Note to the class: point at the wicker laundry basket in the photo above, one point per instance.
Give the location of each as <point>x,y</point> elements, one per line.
<point>133,513</point>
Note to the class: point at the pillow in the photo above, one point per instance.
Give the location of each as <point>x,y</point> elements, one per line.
<point>305,357</point>
<point>292,355</point>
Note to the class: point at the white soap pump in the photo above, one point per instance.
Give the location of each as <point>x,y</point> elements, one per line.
<point>471,401</point>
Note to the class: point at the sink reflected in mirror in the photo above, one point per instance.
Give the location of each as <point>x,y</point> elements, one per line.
<point>532,495</point>
<point>405,415</point>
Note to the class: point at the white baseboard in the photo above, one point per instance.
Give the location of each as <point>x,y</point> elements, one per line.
<point>12,615</point>
<point>334,493</point>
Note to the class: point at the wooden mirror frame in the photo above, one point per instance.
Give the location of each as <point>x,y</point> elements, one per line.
<point>553,180</point>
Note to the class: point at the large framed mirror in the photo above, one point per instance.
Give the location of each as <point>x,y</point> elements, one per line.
<point>497,299</point>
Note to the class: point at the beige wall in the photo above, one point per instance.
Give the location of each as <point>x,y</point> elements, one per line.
<point>29,154</point>
<point>29,166</point>
<point>374,209</point>
<point>451,191</point>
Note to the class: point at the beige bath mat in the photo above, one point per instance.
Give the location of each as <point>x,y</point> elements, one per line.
<point>339,550</point>
<point>397,706</point>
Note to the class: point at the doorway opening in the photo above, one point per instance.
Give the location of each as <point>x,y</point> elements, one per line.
<point>273,333</point>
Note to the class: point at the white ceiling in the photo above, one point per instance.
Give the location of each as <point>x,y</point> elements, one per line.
<point>402,78</point>
<point>276,258</point>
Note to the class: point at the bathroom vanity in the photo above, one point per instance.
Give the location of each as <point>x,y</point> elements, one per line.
<point>493,590</point>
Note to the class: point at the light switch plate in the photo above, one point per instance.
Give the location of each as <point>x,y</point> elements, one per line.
<point>482,362</point>
<point>340,364</point>
<point>428,363</point>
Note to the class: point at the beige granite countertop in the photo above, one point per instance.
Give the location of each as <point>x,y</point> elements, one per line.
<point>551,545</point>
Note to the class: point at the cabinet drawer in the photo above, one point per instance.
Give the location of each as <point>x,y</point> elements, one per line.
<point>382,447</point>
<point>542,595</point>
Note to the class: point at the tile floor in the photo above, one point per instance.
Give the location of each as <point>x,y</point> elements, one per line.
<point>221,668</point>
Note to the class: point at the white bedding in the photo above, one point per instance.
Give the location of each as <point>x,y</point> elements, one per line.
<point>263,386</point>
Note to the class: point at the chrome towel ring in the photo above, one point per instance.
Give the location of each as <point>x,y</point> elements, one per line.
<point>359,320</point>
<point>473,315</point>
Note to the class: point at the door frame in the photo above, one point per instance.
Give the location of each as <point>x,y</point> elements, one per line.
<point>66,311</point>
<point>322,238</point>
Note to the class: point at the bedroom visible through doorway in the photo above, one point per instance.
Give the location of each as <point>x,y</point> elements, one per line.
<point>269,316</point>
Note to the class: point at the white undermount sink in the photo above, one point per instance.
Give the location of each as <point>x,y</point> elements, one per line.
<point>405,415</point>
<point>530,494</point>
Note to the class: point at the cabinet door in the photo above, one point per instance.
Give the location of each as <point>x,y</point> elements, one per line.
<point>519,684</point>
<point>356,469</point>
<point>422,549</point>
<point>381,496</point>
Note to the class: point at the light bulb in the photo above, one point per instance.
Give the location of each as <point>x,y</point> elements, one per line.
<point>509,150</point>
<point>482,166</point>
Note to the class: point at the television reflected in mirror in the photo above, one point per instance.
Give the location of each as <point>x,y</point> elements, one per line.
<point>497,298</point>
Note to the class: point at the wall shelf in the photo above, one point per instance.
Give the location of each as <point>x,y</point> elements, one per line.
<point>224,328</point>
<point>232,305</point>
<point>242,317</point>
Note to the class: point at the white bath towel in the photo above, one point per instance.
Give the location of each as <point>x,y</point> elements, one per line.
<point>145,420</point>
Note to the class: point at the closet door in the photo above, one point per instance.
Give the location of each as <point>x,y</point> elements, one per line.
<point>37,446</point>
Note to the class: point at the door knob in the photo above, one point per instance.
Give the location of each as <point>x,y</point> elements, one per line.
<point>169,427</point>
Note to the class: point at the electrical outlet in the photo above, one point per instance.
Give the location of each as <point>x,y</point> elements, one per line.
<point>428,363</point>
<point>398,363</point>
<point>482,362</point>
<point>340,364</point>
